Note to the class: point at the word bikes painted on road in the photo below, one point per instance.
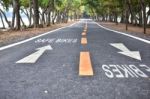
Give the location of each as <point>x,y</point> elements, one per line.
<point>126,71</point>
<point>57,40</point>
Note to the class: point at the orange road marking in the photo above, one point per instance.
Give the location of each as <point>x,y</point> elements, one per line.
<point>83,34</point>
<point>84,41</point>
<point>84,30</point>
<point>85,66</point>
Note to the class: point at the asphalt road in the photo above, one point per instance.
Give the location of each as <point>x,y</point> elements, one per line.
<point>48,67</point>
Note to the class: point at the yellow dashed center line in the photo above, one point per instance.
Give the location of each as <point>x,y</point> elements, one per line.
<point>84,30</point>
<point>84,41</point>
<point>85,66</point>
<point>83,33</point>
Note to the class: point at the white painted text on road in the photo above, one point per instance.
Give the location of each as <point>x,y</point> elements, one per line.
<point>125,71</point>
<point>55,40</point>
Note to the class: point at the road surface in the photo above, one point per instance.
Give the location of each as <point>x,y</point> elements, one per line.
<point>81,61</point>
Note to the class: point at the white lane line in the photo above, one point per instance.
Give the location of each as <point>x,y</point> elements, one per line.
<point>73,24</point>
<point>32,38</point>
<point>137,38</point>
<point>126,51</point>
<point>36,55</point>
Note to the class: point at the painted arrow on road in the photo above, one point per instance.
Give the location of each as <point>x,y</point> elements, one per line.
<point>126,51</point>
<point>35,56</point>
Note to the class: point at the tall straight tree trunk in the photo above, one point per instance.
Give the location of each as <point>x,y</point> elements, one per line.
<point>49,15</point>
<point>43,18</point>
<point>17,6</point>
<point>58,17</point>
<point>126,8</point>
<point>131,10</point>
<point>30,11</point>
<point>140,18</point>
<point>53,17</point>
<point>36,13</point>
<point>116,18</point>
<point>144,14</point>
<point>49,18</point>
<point>13,19</point>
<point>123,12</point>
<point>122,18</point>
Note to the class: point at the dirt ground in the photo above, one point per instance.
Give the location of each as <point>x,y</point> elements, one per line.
<point>131,29</point>
<point>8,37</point>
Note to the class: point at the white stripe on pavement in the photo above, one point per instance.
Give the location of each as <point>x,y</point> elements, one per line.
<point>32,38</point>
<point>137,38</point>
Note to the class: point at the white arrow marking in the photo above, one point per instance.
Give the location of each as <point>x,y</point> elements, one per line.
<point>126,51</point>
<point>35,56</point>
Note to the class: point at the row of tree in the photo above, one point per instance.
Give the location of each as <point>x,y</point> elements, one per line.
<point>134,12</point>
<point>40,13</point>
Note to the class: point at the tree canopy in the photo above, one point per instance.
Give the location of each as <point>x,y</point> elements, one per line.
<point>47,12</point>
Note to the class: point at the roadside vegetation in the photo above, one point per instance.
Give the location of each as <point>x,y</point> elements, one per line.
<point>135,12</point>
<point>33,17</point>
<point>40,13</point>
<point>44,13</point>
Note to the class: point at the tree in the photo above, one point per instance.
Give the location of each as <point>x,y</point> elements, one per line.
<point>36,13</point>
<point>17,12</point>
<point>144,14</point>
<point>5,5</point>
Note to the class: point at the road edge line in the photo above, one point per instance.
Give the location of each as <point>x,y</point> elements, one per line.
<point>32,38</point>
<point>123,33</point>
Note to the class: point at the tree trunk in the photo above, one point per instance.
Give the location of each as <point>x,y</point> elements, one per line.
<point>30,11</point>
<point>17,9</point>
<point>27,14</point>
<point>2,20</point>
<point>144,14</point>
<point>140,18</point>
<point>58,17</point>
<point>40,17</point>
<point>54,17</point>
<point>49,16</point>
<point>36,13</point>
<point>123,12</point>
<point>43,17</point>
<point>116,18</point>
<point>122,18</point>
<point>126,15</point>
<point>5,18</point>
<point>131,11</point>
<point>13,19</point>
